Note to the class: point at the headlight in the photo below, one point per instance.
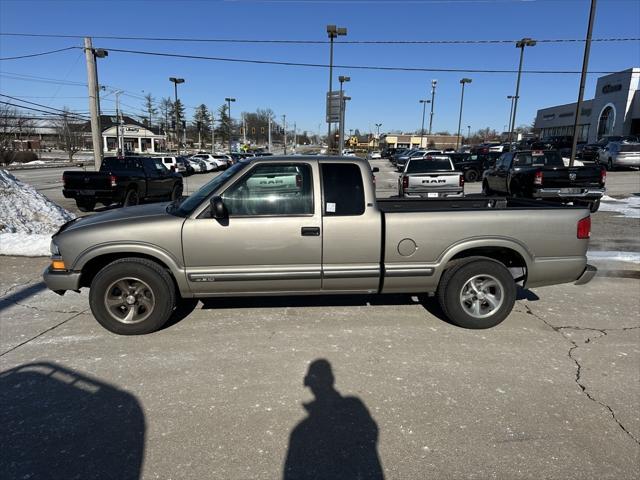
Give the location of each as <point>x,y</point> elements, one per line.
<point>53,247</point>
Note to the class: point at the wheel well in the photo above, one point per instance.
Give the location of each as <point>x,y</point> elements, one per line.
<point>508,257</point>
<point>93,266</point>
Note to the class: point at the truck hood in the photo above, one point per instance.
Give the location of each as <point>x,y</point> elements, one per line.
<point>116,215</point>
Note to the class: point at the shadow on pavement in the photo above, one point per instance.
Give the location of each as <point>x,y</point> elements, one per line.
<point>58,423</point>
<point>337,440</point>
<point>21,294</point>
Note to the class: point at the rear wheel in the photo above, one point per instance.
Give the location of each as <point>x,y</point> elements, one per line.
<point>132,296</point>
<point>85,204</point>
<point>471,175</point>
<point>477,293</point>
<point>176,192</point>
<point>594,206</point>
<point>131,198</point>
<point>610,164</point>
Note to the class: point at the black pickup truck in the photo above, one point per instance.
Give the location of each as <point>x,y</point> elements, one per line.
<point>127,181</point>
<point>541,174</point>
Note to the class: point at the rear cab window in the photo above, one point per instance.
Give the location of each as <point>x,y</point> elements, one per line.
<point>343,191</point>
<point>429,165</point>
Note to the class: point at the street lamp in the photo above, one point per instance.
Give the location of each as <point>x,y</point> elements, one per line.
<point>521,44</point>
<point>462,82</point>
<point>512,98</point>
<point>343,108</point>
<point>433,98</point>
<point>342,79</point>
<point>424,109</point>
<point>378,125</point>
<point>229,100</point>
<point>332,32</point>
<point>468,132</point>
<point>176,81</point>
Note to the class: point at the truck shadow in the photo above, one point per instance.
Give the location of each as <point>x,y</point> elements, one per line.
<point>21,294</point>
<point>58,423</point>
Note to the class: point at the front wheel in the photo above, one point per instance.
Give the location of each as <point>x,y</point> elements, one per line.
<point>132,296</point>
<point>471,176</point>
<point>477,293</point>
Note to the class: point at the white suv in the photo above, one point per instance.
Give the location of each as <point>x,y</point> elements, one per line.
<point>210,161</point>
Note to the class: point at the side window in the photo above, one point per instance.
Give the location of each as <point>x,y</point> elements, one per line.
<point>523,159</point>
<point>343,189</point>
<point>272,189</point>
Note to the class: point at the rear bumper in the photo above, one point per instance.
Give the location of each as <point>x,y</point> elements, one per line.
<point>584,194</point>
<point>99,195</point>
<point>441,194</point>
<point>61,281</point>
<point>588,274</point>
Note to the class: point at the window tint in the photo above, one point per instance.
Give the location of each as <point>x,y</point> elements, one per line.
<point>159,166</point>
<point>343,190</point>
<point>272,190</point>
<point>428,165</point>
<point>120,164</point>
<point>551,158</point>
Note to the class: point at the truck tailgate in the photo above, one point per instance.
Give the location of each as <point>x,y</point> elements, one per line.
<point>423,182</point>
<point>86,181</point>
<point>570,177</point>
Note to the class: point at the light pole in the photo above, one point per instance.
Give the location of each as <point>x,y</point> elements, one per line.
<point>468,132</point>
<point>343,108</point>
<point>176,81</point>
<point>521,44</point>
<point>433,99</point>
<point>462,82</point>
<point>512,98</point>
<point>229,100</point>
<point>120,148</point>
<point>342,79</point>
<point>378,125</point>
<point>424,109</point>
<point>333,32</point>
<point>284,132</point>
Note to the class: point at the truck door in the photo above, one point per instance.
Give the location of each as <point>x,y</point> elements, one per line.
<point>351,229</point>
<point>271,241</point>
<point>498,182</point>
<point>158,178</point>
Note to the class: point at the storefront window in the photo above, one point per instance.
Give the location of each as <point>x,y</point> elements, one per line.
<point>605,124</point>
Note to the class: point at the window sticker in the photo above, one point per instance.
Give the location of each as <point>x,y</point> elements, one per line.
<point>331,207</point>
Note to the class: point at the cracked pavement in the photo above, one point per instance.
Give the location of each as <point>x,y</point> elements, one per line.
<point>553,392</point>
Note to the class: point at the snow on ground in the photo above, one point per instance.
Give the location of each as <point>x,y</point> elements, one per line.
<point>628,207</point>
<point>27,218</point>
<point>631,257</point>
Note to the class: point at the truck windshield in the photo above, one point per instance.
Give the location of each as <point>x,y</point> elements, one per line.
<point>429,165</point>
<point>189,204</point>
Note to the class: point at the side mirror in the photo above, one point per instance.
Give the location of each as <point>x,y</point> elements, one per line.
<point>375,169</point>
<point>218,210</point>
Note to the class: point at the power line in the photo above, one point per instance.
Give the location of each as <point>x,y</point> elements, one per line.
<point>71,115</point>
<point>354,67</point>
<point>36,104</point>
<point>307,42</point>
<point>39,54</point>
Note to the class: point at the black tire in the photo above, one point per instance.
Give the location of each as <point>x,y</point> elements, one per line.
<point>85,204</point>
<point>471,176</point>
<point>458,276</point>
<point>594,206</point>
<point>131,198</point>
<point>156,280</point>
<point>176,192</point>
<point>610,165</point>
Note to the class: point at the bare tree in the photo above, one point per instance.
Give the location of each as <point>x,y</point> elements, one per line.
<point>70,133</point>
<point>149,107</point>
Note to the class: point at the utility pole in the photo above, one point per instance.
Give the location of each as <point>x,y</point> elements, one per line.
<point>244,129</point>
<point>213,132</point>
<point>295,136</point>
<point>462,82</point>
<point>341,79</point>
<point>424,108</point>
<point>94,98</point>
<point>378,125</point>
<point>284,128</point>
<point>176,81</point>
<point>433,99</point>
<point>343,108</point>
<point>583,79</point>
<point>333,32</point>
<point>269,132</point>
<point>229,100</point>
<point>120,140</point>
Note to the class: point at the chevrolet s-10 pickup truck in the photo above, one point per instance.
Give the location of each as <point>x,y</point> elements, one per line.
<point>303,225</point>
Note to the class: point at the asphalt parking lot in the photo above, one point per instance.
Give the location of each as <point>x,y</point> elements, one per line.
<point>242,388</point>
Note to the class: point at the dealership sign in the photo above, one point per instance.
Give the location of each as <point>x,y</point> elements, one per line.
<point>612,88</point>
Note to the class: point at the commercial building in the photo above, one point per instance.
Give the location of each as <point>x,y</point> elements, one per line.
<point>614,110</point>
<point>136,137</point>
<point>417,141</point>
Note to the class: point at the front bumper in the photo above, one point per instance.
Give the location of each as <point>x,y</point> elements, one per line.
<point>61,280</point>
<point>585,193</point>
<point>588,274</point>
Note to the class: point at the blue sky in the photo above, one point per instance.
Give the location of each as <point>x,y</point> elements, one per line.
<point>390,98</point>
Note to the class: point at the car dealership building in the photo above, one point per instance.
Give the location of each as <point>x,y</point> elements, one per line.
<point>615,110</point>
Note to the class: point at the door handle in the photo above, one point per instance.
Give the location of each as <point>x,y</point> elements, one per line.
<point>310,231</point>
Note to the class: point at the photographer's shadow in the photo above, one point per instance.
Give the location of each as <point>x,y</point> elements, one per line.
<point>338,439</point>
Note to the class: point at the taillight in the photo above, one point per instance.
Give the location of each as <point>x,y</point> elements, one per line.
<point>537,179</point>
<point>461,181</point>
<point>584,228</point>
<point>405,182</point>
<point>603,176</point>
<point>114,180</point>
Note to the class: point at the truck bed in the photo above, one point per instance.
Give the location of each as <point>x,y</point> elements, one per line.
<point>470,202</point>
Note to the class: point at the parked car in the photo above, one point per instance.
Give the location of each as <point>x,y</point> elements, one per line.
<point>127,181</point>
<point>375,155</point>
<point>620,154</point>
<point>326,233</point>
<point>430,177</point>
<point>473,165</point>
<point>176,164</point>
<point>198,165</point>
<point>188,168</point>
<point>211,162</point>
<point>543,175</point>
<point>390,152</point>
<point>557,142</point>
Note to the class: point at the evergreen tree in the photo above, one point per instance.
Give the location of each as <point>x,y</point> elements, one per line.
<point>149,108</point>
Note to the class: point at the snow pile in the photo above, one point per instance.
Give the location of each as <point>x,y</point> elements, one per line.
<point>27,218</point>
<point>629,207</point>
